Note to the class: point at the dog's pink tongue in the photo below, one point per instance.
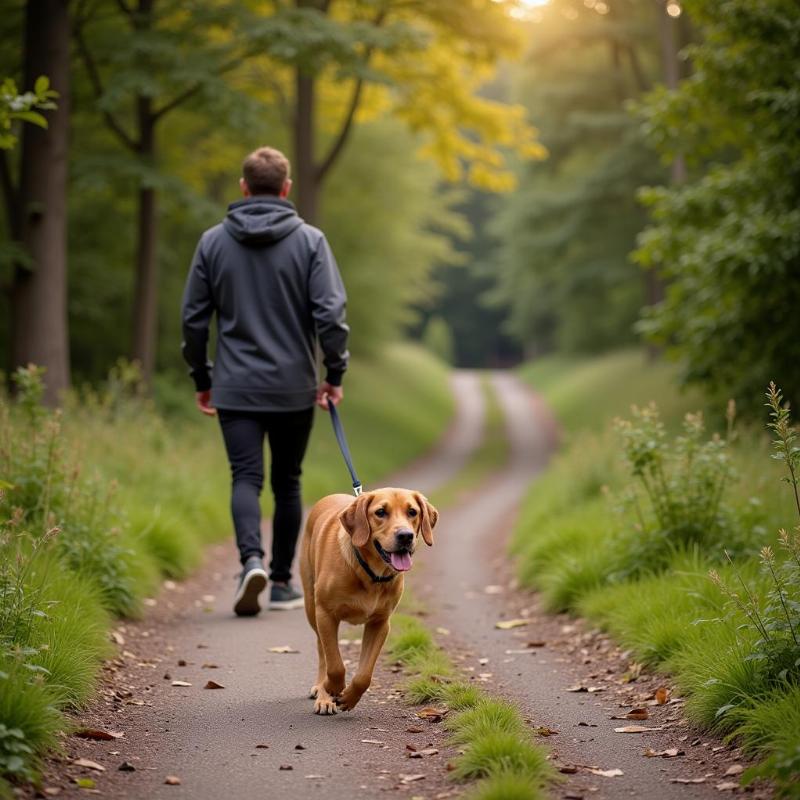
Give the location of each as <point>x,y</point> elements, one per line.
<point>400,561</point>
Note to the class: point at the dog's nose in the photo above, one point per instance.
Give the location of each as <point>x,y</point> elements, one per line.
<point>404,538</point>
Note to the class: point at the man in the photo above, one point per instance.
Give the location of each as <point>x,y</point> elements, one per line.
<point>274,285</point>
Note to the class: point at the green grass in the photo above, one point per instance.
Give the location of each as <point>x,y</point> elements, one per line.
<point>574,533</point>
<point>490,456</point>
<point>171,498</point>
<point>586,393</point>
<point>493,740</point>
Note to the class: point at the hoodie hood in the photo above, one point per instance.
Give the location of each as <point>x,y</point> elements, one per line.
<point>261,220</point>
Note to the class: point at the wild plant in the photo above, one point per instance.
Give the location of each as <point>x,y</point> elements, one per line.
<point>679,496</point>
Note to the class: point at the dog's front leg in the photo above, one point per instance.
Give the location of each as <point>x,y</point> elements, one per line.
<point>328,633</point>
<point>375,633</point>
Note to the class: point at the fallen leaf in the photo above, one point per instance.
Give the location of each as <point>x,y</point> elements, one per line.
<point>544,731</point>
<point>734,769</point>
<point>52,791</point>
<point>209,666</point>
<point>568,769</point>
<point>181,683</point>
<point>411,778</point>
<point>182,662</point>
<point>88,764</point>
<point>262,747</point>
<point>429,751</point>
<point>688,780</point>
<point>126,766</point>
<point>118,638</point>
<point>536,643</point>
<point>413,729</point>
<point>284,648</point>
<point>636,729</point>
<point>637,713</point>
<point>371,741</point>
<point>727,786</point>
<point>314,777</point>
<point>662,695</point>
<point>299,747</point>
<point>493,589</point>
<point>607,773</point>
<point>483,661</point>
<point>519,652</point>
<point>672,752</point>
<point>213,685</point>
<point>285,767</point>
<point>577,688</point>
<point>172,780</point>
<point>98,734</point>
<point>85,783</point>
<point>443,631</point>
<point>432,714</point>
<point>415,754</point>
<point>507,624</point>
<point>411,747</point>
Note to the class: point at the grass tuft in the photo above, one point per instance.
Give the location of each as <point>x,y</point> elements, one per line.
<point>508,786</point>
<point>497,753</point>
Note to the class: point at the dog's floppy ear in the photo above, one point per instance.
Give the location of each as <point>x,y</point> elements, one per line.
<point>429,516</point>
<point>355,520</point>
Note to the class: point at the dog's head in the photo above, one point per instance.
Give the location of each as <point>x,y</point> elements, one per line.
<point>392,519</point>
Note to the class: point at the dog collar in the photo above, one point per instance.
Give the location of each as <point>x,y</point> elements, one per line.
<point>369,571</point>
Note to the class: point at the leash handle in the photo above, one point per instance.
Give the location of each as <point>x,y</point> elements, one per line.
<point>338,430</point>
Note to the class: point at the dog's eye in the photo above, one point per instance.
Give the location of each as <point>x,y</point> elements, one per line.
<point>412,512</point>
<point>381,512</point>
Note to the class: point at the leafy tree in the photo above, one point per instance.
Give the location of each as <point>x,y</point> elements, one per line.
<point>565,235</point>
<point>16,107</point>
<point>728,241</point>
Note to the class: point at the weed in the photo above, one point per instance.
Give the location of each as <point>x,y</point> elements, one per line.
<point>496,753</point>
<point>508,786</point>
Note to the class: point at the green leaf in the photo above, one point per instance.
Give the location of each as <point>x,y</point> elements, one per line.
<point>42,84</point>
<point>33,117</point>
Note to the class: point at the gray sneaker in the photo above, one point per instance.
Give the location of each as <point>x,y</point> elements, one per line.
<point>252,582</point>
<point>283,597</point>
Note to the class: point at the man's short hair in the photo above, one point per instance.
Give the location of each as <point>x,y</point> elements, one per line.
<point>265,171</point>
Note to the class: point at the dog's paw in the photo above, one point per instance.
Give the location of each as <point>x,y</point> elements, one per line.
<point>348,699</point>
<point>325,704</point>
<point>313,692</point>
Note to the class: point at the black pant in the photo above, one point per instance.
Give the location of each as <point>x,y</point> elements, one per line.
<point>288,433</point>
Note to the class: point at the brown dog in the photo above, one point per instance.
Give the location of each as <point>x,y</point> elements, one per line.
<point>353,556</point>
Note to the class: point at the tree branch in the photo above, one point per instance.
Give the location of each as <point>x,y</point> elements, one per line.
<point>347,125</point>
<point>97,86</point>
<point>176,101</point>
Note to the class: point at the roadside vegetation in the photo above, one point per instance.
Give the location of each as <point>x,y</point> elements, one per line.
<point>100,501</point>
<point>496,747</point>
<point>682,540</point>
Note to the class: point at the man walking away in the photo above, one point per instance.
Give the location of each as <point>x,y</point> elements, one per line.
<point>274,285</point>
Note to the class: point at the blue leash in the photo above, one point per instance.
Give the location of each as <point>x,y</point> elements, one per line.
<point>342,440</point>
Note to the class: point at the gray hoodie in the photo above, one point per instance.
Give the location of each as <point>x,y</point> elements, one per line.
<point>274,285</point>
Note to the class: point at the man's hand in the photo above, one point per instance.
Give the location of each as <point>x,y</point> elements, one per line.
<point>203,400</point>
<point>326,393</point>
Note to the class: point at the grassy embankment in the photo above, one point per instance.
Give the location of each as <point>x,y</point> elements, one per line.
<point>102,501</point>
<point>627,525</point>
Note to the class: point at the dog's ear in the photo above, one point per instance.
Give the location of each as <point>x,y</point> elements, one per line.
<point>429,516</point>
<point>355,520</point>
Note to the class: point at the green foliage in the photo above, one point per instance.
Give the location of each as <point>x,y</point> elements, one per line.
<point>16,107</point>
<point>727,242</point>
<point>564,237</point>
<point>438,338</point>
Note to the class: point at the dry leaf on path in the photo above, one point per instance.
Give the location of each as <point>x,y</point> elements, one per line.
<point>172,780</point>
<point>507,624</point>
<point>213,685</point>
<point>284,648</point>
<point>671,752</point>
<point>536,643</point>
<point>544,731</point>
<point>414,729</point>
<point>117,638</point>
<point>285,767</point>
<point>88,764</point>
<point>607,773</point>
<point>209,666</point>
<point>126,766</point>
<point>411,778</point>
<point>262,747</point>
<point>734,769</point>
<point>494,588</point>
<point>181,683</point>
<point>688,780</point>
<point>443,631</point>
<point>568,769</point>
<point>98,734</point>
<point>637,713</point>
<point>727,786</point>
<point>84,783</point>
<point>429,751</point>
<point>432,714</point>
<point>636,729</point>
<point>372,741</point>
<point>662,695</point>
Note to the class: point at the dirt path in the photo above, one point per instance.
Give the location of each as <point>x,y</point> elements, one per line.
<point>468,558</point>
<point>210,739</point>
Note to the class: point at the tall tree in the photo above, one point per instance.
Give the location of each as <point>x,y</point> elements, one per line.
<point>38,206</point>
<point>727,240</point>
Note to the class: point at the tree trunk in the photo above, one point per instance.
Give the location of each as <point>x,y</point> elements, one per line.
<point>39,290</point>
<point>304,164</point>
<point>145,302</point>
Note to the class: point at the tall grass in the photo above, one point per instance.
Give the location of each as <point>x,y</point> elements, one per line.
<point>636,559</point>
<point>99,500</point>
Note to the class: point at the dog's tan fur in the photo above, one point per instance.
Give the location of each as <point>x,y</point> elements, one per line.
<point>337,588</point>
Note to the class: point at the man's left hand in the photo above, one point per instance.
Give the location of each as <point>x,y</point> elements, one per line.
<point>203,400</point>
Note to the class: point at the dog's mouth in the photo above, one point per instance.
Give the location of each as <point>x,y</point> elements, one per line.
<point>399,560</point>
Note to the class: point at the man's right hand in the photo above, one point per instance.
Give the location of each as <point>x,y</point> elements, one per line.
<point>326,393</point>
<point>203,401</point>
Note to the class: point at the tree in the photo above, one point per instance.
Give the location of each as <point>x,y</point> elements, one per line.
<point>37,204</point>
<point>566,234</point>
<point>727,241</point>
